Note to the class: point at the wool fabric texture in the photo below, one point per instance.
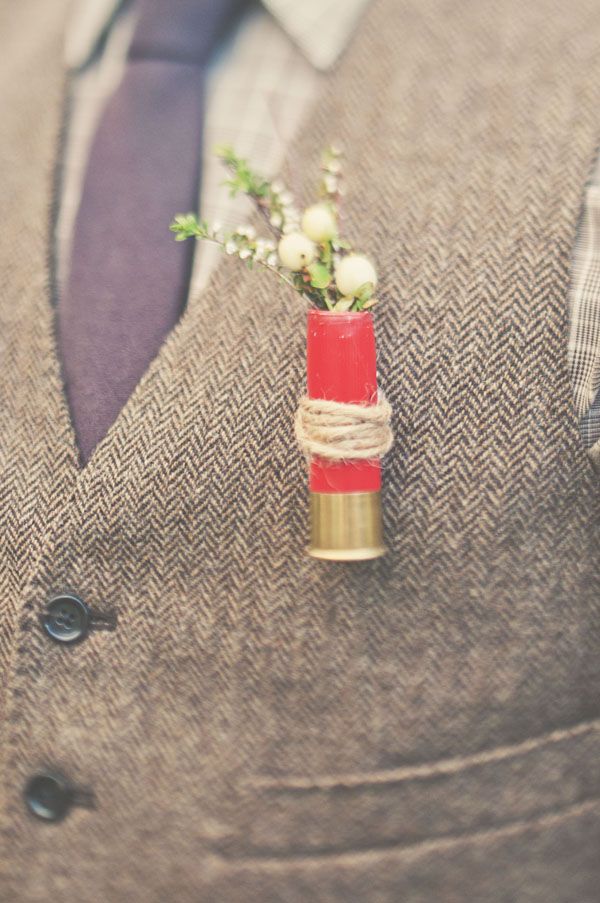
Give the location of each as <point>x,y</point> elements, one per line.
<point>261,726</point>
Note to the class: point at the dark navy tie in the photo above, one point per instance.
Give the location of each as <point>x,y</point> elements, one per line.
<point>128,279</point>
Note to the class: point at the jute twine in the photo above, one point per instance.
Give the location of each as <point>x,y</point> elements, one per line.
<point>339,432</point>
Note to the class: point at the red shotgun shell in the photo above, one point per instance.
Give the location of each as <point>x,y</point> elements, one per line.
<point>341,366</point>
<point>345,503</point>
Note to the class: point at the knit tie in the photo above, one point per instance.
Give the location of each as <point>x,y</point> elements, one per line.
<point>128,280</point>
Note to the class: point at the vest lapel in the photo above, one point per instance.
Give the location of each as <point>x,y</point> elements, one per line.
<point>37,458</point>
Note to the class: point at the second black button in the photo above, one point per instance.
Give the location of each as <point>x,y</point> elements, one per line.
<point>66,619</point>
<point>48,796</point>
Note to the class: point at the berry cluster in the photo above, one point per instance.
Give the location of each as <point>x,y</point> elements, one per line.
<point>307,252</point>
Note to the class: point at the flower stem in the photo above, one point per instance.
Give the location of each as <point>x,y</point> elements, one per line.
<point>262,263</point>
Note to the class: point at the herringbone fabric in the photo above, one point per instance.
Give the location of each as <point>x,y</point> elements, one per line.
<point>260,726</point>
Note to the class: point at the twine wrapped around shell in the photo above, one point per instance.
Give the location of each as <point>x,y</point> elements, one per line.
<point>344,432</point>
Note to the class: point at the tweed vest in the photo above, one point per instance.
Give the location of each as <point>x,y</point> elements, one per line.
<point>261,726</point>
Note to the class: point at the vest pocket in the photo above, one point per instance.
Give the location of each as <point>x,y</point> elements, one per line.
<point>336,814</point>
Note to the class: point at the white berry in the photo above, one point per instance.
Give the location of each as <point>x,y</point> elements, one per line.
<point>352,272</point>
<point>318,222</point>
<point>296,251</point>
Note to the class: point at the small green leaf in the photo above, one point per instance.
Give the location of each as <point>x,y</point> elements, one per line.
<point>344,304</point>
<point>185,225</point>
<point>370,303</point>
<point>363,294</point>
<point>340,244</point>
<point>225,151</point>
<point>326,254</point>
<point>320,277</point>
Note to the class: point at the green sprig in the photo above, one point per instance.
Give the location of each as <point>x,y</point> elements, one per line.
<point>243,180</point>
<point>185,225</point>
<point>315,282</point>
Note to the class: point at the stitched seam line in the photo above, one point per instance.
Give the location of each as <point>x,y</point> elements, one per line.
<point>547,820</point>
<point>426,770</point>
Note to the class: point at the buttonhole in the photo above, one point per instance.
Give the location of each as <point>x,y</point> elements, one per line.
<point>82,796</point>
<point>100,620</point>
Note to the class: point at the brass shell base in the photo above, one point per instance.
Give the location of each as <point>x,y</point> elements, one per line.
<point>346,526</point>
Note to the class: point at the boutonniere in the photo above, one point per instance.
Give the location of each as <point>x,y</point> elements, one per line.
<point>343,422</point>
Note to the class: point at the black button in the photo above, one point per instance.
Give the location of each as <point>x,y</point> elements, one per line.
<point>48,796</point>
<point>66,619</point>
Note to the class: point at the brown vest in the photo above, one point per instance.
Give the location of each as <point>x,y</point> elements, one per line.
<point>265,727</point>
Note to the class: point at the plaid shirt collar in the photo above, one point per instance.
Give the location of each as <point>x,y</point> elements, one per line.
<point>320,28</point>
